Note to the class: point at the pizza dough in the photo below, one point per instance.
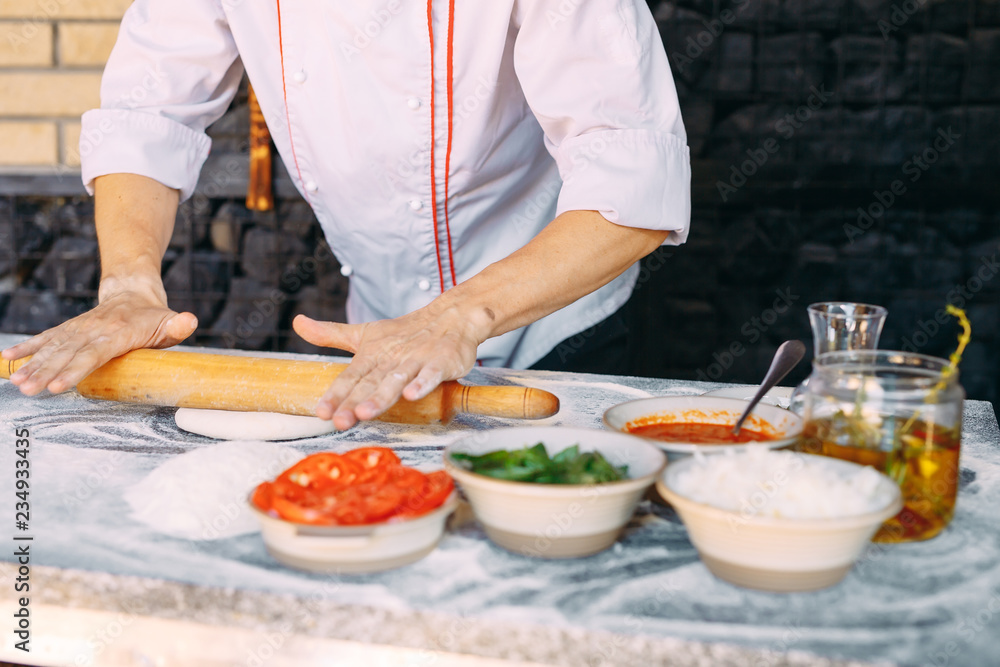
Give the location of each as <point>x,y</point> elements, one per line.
<point>229,425</point>
<point>202,494</point>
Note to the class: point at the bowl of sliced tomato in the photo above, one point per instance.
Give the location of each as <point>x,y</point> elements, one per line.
<point>353,512</point>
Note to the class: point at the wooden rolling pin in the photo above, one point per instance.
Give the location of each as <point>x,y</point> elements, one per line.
<point>255,384</point>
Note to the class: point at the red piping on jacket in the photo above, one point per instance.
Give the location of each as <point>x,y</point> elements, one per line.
<point>437,243</point>
<point>284,94</point>
<point>447,163</point>
<point>447,159</point>
<point>451,109</point>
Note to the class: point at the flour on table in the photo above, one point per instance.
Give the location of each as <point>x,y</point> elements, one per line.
<point>202,494</point>
<point>230,425</point>
<point>588,386</point>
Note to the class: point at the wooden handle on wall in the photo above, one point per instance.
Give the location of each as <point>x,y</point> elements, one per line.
<point>256,384</point>
<point>260,190</point>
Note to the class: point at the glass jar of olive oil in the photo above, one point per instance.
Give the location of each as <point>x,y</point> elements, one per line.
<point>900,413</point>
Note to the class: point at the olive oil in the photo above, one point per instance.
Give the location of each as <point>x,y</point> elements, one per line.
<point>924,463</point>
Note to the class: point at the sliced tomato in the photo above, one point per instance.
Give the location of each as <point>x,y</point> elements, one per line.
<point>406,478</point>
<point>363,486</point>
<point>378,475</point>
<point>318,471</point>
<point>380,500</point>
<point>373,457</point>
<point>300,513</point>
<point>431,495</point>
<point>382,463</point>
<point>263,496</point>
<point>441,486</point>
<point>366,503</point>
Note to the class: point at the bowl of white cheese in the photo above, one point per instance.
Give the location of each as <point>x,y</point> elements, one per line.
<point>778,521</point>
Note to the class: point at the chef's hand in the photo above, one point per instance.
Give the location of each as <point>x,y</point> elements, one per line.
<point>406,357</point>
<point>130,315</point>
<point>411,355</point>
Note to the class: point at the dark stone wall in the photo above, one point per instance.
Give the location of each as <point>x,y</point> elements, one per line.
<point>244,274</point>
<point>835,83</point>
<point>718,307</point>
<point>842,150</point>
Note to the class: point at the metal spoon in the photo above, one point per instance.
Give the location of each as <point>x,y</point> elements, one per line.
<point>788,355</point>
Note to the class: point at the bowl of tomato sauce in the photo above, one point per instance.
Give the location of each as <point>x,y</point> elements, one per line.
<point>353,512</point>
<point>682,425</point>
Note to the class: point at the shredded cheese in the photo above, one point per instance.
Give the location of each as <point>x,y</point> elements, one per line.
<point>762,482</point>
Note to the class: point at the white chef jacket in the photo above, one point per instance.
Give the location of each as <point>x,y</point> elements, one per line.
<point>537,107</point>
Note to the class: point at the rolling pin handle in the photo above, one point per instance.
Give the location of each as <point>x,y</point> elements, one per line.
<point>511,402</point>
<point>8,368</point>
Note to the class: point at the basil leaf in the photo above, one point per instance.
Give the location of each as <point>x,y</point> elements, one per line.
<point>533,464</point>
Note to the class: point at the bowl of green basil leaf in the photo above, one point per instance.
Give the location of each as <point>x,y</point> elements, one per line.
<point>553,492</point>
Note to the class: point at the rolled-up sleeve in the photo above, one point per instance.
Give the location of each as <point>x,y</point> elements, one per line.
<point>596,77</point>
<point>173,71</point>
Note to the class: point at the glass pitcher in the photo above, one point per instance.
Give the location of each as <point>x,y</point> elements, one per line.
<point>839,326</point>
<point>844,325</point>
<point>900,413</point>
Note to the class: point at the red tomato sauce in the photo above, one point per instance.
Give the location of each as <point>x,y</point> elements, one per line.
<point>701,434</point>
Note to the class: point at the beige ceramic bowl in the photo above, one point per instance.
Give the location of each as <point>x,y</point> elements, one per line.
<point>354,549</point>
<point>785,426</point>
<point>556,520</point>
<point>775,554</point>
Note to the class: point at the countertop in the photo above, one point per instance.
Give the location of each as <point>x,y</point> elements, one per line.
<point>110,589</point>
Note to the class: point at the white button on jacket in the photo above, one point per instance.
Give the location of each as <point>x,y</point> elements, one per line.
<point>535,107</point>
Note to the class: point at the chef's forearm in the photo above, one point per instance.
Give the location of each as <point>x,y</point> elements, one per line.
<point>134,216</point>
<point>577,253</point>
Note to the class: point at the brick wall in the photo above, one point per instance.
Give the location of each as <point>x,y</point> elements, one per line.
<point>52,53</point>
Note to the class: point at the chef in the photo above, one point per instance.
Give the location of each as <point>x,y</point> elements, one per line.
<point>487,173</point>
